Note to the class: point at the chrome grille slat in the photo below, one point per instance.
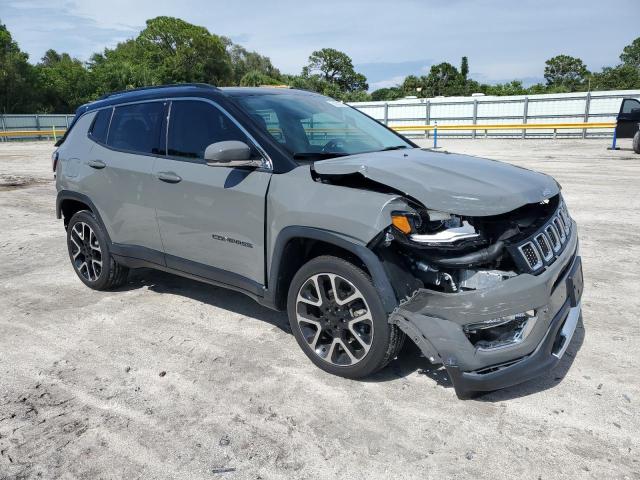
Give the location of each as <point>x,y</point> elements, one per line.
<point>531,255</point>
<point>544,245</point>
<point>548,242</point>
<point>559,224</point>
<point>554,238</point>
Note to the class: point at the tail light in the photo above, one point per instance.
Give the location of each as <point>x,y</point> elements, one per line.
<point>54,160</point>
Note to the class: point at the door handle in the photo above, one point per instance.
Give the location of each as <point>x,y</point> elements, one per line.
<point>169,177</point>
<point>98,164</point>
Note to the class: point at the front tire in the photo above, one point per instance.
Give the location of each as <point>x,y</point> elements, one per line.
<point>338,319</point>
<point>636,142</point>
<point>89,253</point>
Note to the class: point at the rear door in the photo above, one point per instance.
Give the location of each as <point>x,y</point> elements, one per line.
<point>126,142</point>
<point>211,219</point>
<point>628,118</point>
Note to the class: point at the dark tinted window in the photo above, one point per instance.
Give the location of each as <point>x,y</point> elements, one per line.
<point>630,105</point>
<point>136,127</point>
<point>194,125</point>
<point>101,126</point>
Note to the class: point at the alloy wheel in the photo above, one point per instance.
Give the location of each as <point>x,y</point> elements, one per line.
<point>86,253</point>
<point>334,319</point>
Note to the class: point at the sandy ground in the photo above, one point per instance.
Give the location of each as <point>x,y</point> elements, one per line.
<point>168,378</point>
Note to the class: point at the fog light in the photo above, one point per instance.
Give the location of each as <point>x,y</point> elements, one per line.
<point>501,332</point>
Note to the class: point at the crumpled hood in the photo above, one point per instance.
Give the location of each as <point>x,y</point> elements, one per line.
<point>459,184</point>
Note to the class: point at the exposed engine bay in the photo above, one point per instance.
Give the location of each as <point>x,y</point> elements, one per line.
<point>453,253</point>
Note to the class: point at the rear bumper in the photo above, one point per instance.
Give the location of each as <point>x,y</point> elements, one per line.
<point>435,320</point>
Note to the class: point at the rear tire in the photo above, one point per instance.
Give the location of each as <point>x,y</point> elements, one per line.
<point>90,255</point>
<point>346,335</point>
<point>636,142</point>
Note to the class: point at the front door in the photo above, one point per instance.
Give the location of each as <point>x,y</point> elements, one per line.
<point>211,219</point>
<point>628,118</point>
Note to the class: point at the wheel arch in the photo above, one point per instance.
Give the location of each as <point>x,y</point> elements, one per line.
<point>296,245</point>
<point>68,203</point>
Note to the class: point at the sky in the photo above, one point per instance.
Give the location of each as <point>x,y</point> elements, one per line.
<point>387,39</point>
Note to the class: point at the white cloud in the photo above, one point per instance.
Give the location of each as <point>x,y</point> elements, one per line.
<point>502,39</point>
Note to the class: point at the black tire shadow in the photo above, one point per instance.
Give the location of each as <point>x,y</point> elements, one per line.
<point>167,283</point>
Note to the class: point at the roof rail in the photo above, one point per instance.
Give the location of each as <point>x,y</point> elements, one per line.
<point>153,87</point>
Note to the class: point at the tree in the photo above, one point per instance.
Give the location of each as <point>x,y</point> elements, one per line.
<point>566,72</point>
<point>391,93</point>
<point>443,79</point>
<point>622,77</point>
<point>464,67</point>
<point>512,88</point>
<point>631,54</point>
<point>244,62</point>
<point>179,51</point>
<point>256,78</point>
<point>18,80</point>
<point>65,83</point>
<point>336,68</point>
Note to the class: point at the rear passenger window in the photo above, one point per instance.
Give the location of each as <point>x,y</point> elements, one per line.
<point>194,125</point>
<point>100,126</point>
<point>135,128</point>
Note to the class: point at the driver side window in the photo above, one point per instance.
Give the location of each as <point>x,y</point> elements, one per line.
<point>194,125</point>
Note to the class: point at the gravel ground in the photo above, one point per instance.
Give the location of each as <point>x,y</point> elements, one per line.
<point>168,378</point>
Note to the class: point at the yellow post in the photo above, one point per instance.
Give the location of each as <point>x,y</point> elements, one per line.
<point>54,134</point>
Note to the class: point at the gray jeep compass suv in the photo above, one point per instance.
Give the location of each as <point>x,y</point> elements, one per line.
<point>310,206</point>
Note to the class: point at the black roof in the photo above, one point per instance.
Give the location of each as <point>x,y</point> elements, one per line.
<point>182,90</point>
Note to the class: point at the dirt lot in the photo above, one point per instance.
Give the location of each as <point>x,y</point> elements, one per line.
<point>168,378</point>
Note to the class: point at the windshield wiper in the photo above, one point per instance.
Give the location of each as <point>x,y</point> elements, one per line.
<point>311,155</point>
<point>394,147</point>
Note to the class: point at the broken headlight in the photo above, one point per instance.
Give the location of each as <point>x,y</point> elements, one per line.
<point>501,332</point>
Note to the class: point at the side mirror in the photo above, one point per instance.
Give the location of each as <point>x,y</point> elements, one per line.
<point>230,153</point>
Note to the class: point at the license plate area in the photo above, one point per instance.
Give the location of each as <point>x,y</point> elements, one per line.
<point>575,283</point>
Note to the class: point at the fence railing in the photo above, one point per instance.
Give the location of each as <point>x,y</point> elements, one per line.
<point>33,126</point>
<point>504,116</point>
<point>586,114</point>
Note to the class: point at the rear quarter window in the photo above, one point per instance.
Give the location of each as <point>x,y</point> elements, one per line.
<point>100,126</point>
<point>136,128</point>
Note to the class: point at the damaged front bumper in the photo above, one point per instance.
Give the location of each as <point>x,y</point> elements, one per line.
<point>435,321</point>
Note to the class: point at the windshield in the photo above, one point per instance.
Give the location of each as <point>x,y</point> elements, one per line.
<point>313,127</point>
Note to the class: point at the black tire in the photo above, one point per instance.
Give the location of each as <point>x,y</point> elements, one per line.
<point>111,274</point>
<point>386,339</point>
<point>636,142</point>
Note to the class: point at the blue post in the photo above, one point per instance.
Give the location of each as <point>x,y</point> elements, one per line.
<point>435,136</point>
<point>615,137</point>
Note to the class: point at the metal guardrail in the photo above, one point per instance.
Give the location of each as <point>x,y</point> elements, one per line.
<point>55,133</point>
<point>52,133</point>
<point>587,107</point>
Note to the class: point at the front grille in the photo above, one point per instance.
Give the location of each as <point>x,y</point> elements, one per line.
<point>542,248</point>
<point>552,234</point>
<point>531,255</point>
<point>543,245</point>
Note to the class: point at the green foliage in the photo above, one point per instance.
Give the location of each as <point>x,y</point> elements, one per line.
<point>391,93</point>
<point>17,77</point>
<point>512,88</point>
<point>631,54</point>
<point>464,67</point>
<point>622,77</point>
<point>170,50</point>
<point>255,78</point>
<point>566,72</point>
<point>244,62</point>
<point>329,68</point>
<point>64,82</point>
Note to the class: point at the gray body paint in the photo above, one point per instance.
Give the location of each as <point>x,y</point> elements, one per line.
<point>439,317</point>
<point>451,183</point>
